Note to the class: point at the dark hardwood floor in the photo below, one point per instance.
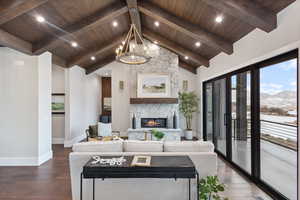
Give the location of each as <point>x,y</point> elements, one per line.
<point>51,181</point>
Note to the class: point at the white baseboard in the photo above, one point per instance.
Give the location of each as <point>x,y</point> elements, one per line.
<point>58,140</point>
<point>26,161</point>
<point>18,161</point>
<point>45,157</point>
<point>69,143</point>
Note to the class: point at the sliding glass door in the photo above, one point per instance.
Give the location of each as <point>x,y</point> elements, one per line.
<point>278,126</point>
<point>208,111</point>
<point>241,118</point>
<point>251,117</point>
<point>219,113</point>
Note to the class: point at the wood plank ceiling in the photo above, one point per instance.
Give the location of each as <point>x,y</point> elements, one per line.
<point>89,23</point>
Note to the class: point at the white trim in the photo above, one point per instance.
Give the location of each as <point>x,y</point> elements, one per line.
<point>45,157</point>
<point>69,143</point>
<point>58,140</point>
<point>26,161</point>
<point>18,161</point>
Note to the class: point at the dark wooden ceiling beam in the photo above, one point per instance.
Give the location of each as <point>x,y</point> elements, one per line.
<point>187,67</point>
<point>94,20</point>
<point>11,41</point>
<point>59,61</point>
<point>17,9</point>
<point>247,11</point>
<point>111,46</point>
<point>185,27</point>
<point>134,14</point>
<point>164,42</point>
<point>93,67</point>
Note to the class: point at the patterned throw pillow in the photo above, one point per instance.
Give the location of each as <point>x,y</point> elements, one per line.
<point>93,130</point>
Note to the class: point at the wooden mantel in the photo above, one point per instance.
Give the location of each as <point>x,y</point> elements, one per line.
<point>153,100</point>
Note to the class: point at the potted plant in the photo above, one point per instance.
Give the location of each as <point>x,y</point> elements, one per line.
<point>210,187</point>
<point>188,105</point>
<point>158,135</point>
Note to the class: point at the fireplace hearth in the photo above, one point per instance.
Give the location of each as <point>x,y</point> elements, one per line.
<point>154,122</point>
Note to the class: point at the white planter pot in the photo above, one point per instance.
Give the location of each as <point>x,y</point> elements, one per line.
<point>188,134</point>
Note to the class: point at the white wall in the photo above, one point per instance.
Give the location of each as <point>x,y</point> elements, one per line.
<point>44,106</point>
<point>258,46</point>
<point>92,98</point>
<point>58,120</point>
<point>82,103</point>
<point>58,79</point>
<point>120,98</point>
<point>24,119</point>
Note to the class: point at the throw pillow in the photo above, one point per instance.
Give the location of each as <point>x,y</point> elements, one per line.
<point>93,130</point>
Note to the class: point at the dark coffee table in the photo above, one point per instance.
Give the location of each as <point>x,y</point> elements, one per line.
<point>177,167</point>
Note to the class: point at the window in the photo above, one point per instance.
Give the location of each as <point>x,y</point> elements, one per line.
<point>251,115</point>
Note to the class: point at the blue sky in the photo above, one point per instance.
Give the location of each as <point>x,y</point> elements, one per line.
<point>279,77</point>
<point>276,78</point>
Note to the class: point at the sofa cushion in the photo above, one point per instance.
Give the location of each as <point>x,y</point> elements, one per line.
<point>188,146</point>
<point>142,146</point>
<point>98,146</point>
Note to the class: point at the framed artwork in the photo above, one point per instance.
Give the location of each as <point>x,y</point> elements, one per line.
<point>107,104</point>
<point>153,86</point>
<point>141,161</point>
<point>58,104</point>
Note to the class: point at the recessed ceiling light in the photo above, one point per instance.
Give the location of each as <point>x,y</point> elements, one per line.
<point>219,19</point>
<point>155,42</point>
<point>115,23</point>
<point>40,19</point>
<point>197,44</point>
<point>156,23</point>
<point>93,58</point>
<point>186,57</point>
<point>74,44</point>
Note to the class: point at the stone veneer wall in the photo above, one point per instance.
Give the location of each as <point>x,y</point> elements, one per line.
<point>163,61</point>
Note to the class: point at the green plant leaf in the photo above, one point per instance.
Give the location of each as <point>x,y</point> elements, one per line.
<point>210,186</point>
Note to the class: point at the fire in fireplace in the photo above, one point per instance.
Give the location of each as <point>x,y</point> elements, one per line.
<point>154,122</point>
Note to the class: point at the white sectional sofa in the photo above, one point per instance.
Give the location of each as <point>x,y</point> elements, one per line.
<point>201,153</point>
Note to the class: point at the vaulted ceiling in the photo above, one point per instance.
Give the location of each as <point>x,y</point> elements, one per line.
<point>89,23</point>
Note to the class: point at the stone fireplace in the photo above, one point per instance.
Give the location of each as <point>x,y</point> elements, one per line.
<point>164,62</point>
<point>154,122</point>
